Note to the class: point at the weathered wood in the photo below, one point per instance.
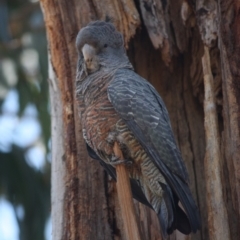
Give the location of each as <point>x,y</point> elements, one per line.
<point>217,214</point>
<point>58,163</point>
<point>178,29</point>
<point>125,198</point>
<point>85,201</point>
<point>90,197</point>
<point>156,19</point>
<point>229,40</point>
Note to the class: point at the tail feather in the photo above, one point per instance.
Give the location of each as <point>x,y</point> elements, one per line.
<point>168,200</point>
<point>181,222</point>
<point>189,205</point>
<point>181,189</point>
<point>172,217</point>
<point>163,218</point>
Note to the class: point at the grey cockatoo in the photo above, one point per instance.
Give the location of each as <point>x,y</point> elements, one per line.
<point>117,105</point>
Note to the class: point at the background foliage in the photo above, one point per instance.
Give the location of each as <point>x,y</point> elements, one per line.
<point>23,71</point>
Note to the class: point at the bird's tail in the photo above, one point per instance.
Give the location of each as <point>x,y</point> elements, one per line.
<point>172,217</point>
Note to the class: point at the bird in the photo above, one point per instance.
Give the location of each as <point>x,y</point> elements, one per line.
<point>117,105</point>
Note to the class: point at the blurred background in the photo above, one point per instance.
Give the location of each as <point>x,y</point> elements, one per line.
<point>25,142</point>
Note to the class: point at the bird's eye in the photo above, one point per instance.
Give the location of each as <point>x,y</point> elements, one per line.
<point>105,45</point>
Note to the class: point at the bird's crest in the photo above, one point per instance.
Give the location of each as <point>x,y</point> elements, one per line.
<point>98,34</point>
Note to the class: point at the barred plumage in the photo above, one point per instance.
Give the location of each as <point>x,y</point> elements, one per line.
<point>116,104</point>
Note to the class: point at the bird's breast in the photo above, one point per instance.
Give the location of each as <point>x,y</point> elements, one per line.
<point>102,126</point>
<point>98,115</point>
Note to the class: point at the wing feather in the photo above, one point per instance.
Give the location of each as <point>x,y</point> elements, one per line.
<point>136,100</point>
<point>145,114</point>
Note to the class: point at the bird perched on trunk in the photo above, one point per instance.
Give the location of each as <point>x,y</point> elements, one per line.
<point>117,105</point>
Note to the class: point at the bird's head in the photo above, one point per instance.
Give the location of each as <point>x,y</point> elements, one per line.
<point>100,44</point>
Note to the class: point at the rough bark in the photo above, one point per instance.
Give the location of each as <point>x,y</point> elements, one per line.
<point>217,214</point>
<point>229,44</point>
<point>165,42</point>
<point>58,166</point>
<point>130,220</point>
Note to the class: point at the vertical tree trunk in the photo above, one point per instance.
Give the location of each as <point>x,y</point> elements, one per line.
<point>165,41</point>
<point>229,41</point>
<point>217,215</point>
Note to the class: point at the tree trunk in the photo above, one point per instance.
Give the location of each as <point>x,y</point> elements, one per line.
<point>165,42</point>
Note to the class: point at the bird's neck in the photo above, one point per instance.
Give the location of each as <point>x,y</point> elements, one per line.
<point>106,71</point>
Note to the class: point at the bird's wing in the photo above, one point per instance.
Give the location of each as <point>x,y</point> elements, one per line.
<point>142,108</point>
<point>145,114</point>
<point>136,189</point>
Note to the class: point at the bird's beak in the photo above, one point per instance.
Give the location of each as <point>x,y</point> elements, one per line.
<point>88,53</point>
<point>90,58</point>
